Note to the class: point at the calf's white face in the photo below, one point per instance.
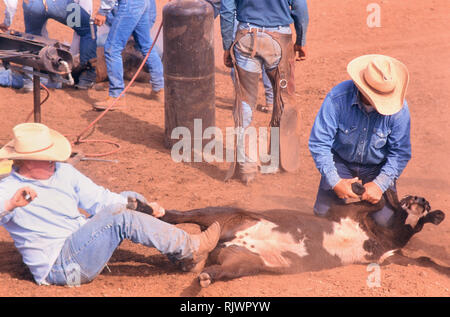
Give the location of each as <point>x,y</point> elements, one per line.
<point>416,207</point>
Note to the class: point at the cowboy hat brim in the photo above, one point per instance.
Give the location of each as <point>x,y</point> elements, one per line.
<point>59,151</point>
<point>384,103</point>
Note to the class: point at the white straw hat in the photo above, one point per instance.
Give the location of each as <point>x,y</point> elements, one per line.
<point>35,141</point>
<point>383,80</point>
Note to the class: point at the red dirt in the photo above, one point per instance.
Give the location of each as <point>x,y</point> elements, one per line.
<point>416,32</point>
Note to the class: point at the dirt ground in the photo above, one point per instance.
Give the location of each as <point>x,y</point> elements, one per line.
<point>416,32</point>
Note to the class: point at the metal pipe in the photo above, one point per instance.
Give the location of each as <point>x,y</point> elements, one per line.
<point>37,98</point>
<point>98,160</point>
<point>69,73</point>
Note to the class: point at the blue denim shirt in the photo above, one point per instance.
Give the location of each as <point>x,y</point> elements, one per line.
<point>342,125</point>
<point>40,228</point>
<point>264,13</point>
<point>216,6</point>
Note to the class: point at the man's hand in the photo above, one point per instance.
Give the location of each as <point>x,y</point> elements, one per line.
<point>158,211</point>
<point>373,193</point>
<point>99,19</point>
<point>4,27</point>
<point>228,62</point>
<point>152,209</point>
<point>343,188</point>
<point>300,52</point>
<point>21,198</point>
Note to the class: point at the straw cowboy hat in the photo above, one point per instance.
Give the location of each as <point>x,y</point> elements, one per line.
<point>35,141</point>
<point>383,80</point>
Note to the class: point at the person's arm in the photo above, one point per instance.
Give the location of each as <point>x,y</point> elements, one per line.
<point>22,197</point>
<point>399,149</point>
<point>322,138</point>
<point>10,11</point>
<point>227,20</point>
<point>216,6</point>
<point>106,7</point>
<point>91,197</point>
<point>299,12</point>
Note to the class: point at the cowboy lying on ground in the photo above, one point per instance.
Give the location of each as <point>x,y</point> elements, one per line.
<point>362,133</point>
<point>39,204</point>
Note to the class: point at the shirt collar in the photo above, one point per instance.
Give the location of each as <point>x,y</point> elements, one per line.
<point>356,101</point>
<point>355,97</point>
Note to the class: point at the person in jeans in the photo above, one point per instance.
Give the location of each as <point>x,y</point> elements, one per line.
<point>135,18</point>
<point>362,134</point>
<point>263,40</point>
<point>39,207</point>
<point>37,12</point>
<point>268,91</point>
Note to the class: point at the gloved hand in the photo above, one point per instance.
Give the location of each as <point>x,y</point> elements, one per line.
<point>152,209</point>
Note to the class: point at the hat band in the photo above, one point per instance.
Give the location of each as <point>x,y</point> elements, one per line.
<point>31,152</point>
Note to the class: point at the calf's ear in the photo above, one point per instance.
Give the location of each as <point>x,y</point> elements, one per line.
<point>435,217</point>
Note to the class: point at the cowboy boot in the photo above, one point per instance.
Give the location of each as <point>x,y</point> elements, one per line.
<point>207,241</point>
<point>120,104</point>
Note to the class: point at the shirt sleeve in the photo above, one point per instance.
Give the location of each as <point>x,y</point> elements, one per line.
<point>299,12</point>
<point>92,197</point>
<point>6,192</point>
<point>399,149</point>
<point>216,6</point>
<point>106,6</point>
<point>227,19</point>
<point>322,138</point>
<point>10,11</point>
<point>5,215</point>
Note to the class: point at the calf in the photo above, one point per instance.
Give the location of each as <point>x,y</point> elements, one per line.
<point>286,241</point>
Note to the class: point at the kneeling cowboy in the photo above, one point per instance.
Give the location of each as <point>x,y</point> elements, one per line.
<point>263,40</point>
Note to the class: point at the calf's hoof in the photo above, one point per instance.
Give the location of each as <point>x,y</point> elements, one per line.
<point>204,279</point>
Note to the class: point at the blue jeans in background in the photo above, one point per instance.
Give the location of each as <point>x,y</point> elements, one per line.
<point>86,252</point>
<point>327,197</point>
<point>35,16</point>
<point>133,17</point>
<point>9,78</point>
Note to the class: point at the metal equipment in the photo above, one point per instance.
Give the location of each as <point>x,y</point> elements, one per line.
<point>47,57</point>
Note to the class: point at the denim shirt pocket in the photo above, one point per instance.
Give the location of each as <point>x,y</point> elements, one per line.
<point>347,135</point>
<point>379,137</point>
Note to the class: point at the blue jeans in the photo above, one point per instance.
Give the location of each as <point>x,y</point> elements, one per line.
<point>327,197</point>
<point>9,78</point>
<point>35,16</point>
<point>133,17</point>
<point>86,252</point>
